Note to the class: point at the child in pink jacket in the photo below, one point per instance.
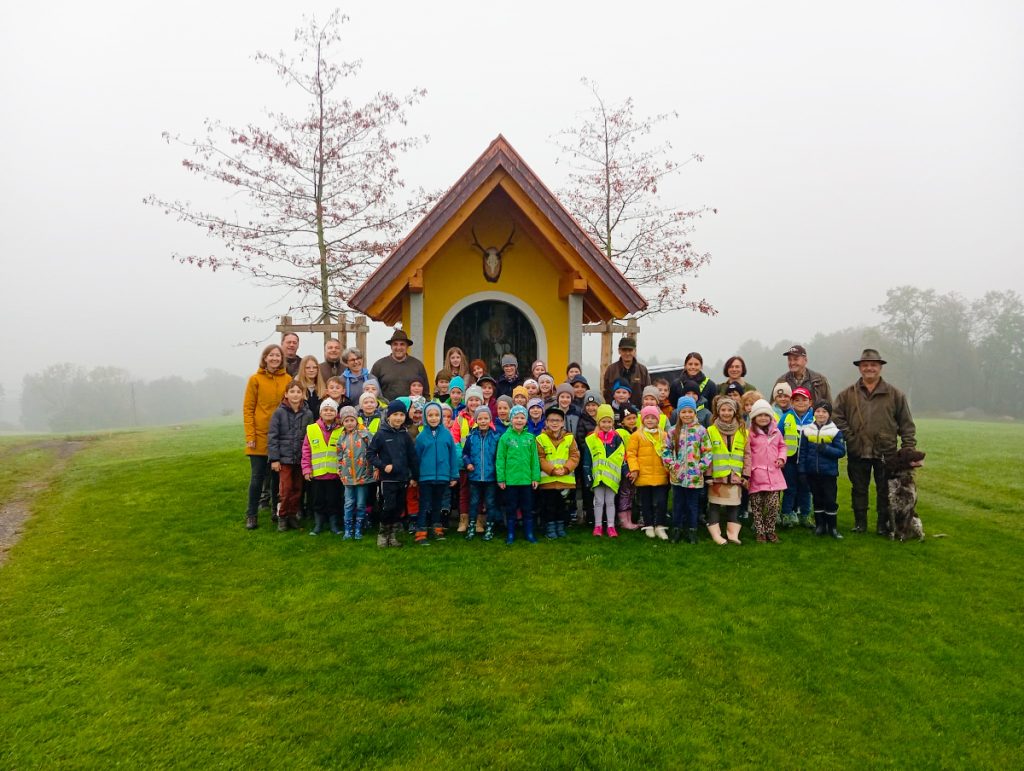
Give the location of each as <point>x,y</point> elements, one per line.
<point>763,461</point>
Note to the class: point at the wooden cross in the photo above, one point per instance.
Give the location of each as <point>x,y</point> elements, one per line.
<point>607,329</point>
<point>339,328</point>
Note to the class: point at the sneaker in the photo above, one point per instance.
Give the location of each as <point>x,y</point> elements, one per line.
<point>438,533</point>
<point>598,531</point>
<point>613,533</point>
<point>421,538</point>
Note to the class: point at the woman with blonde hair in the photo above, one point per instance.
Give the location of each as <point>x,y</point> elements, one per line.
<point>263,394</point>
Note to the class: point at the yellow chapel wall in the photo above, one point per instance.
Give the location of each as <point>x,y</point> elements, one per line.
<point>456,272</point>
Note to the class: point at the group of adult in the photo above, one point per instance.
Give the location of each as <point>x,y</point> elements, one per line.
<point>873,415</point>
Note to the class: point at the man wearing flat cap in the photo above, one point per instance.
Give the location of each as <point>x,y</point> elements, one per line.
<point>628,370</point>
<point>799,376</point>
<point>396,372</point>
<point>875,420</point>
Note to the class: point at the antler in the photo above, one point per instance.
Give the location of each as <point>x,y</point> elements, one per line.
<point>508,243</point>
<point>476,242</point>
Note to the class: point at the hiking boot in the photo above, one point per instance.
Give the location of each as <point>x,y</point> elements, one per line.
<point>282,524</point>
<point>393,536</point>
<point>463,523</point>
<point>382,537</point>
<point>421,538</point>
<point>438,533</point>
<point>677,534</point>
<point>251,523</point>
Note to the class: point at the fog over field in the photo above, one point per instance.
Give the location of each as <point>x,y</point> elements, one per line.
<point>848,150</point>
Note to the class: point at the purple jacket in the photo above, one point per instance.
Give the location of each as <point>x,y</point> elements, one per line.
<point>759,458</point>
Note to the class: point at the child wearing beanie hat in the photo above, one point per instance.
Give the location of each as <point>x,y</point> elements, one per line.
<point>728,435</point>
<point>460,432</point>
<point>535,416</point>
<point>517,470</point>
<point>320,467</point>
<point>439,471</point>
<point>647,471</point>
<point>456,394</point>
<point>687,455</point>
<point>763,460</point>
<point>603,453</point>
<point>354,470</point>
<point>479,452</point>
<point>393,454</point>
<point>821,447</point>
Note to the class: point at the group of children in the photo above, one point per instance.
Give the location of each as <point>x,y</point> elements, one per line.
<point>552,455</point>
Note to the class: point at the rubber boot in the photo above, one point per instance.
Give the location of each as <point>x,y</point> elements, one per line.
<point>732,530</point>
<point>489,531</point>
<point>282,524</point>
<point>626,520</point>
<point>393,536</point>
<point>550,530</point>
<point>528,529</point>
<point>439,533</point>
<point>677,534</point>
<point>481,523</point>
<point>318,524</point>
<point>560,528</point>
<point>511,536</point>
<point>382,536</point>
<point>832,525</point>
<point>716,534</point>
<point>804,520</point>
<point>819,523</point>
<point>470,530</point>
<point>334,525</point>
<point>691,535</point>
<point>860,521</point>
<point>357,529</point>
<point>463,523</point>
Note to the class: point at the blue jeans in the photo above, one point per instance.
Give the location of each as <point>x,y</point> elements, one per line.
<point>433,498</point>
<point>797,495</point>
<point>489,492</point>
<point>355,502</point>
<point>685,506</point>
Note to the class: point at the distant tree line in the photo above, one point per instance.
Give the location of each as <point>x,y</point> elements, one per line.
<point>950,354</point>
<point>67,397</point>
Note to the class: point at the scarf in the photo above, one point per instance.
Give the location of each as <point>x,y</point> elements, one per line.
<point>605,436</point>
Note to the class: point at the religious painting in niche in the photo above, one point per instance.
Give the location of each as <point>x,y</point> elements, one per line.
<point>488,330</point>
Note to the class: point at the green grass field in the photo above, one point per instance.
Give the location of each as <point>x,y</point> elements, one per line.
<point>142,626</point>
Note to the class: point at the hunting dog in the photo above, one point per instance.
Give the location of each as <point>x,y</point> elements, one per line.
<point>904,522</point>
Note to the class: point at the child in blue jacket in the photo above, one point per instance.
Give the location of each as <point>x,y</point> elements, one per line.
<point>439,470</point>
<point>479,453</point>
<point>821,447</point>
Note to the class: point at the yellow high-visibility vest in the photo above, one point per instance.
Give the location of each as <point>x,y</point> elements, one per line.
<point>725,461</point>
<point>606,469</point>
<point>559,455</point>
<point>323,452</point>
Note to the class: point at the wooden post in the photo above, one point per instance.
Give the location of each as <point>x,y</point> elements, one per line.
<point>361,330</point>
<point>606,349</point>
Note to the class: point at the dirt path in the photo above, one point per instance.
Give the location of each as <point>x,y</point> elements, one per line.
<point>18,508</point>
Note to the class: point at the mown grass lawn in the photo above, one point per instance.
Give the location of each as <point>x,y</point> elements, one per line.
<point>142,626</point>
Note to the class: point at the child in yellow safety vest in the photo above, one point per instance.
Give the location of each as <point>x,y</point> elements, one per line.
<point>320,466</point>
<point>603,453</point>
<point>559,457</point>
<point>728,435</point>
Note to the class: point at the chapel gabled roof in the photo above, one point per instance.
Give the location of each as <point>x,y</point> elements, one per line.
<point>499,156</point>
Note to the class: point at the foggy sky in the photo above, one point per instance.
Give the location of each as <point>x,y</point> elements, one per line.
<point>848,149</point>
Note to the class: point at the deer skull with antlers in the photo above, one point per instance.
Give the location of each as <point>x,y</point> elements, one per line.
<point>492,255</point>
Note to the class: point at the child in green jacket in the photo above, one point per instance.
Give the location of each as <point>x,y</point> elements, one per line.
<point>517,468</point>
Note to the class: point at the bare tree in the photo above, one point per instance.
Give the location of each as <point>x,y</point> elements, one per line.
<point>321,187</point>
<point>613,191</point>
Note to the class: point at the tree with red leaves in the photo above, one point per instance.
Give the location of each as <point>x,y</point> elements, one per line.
<point>321,187</point>
<point>613,191</point>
